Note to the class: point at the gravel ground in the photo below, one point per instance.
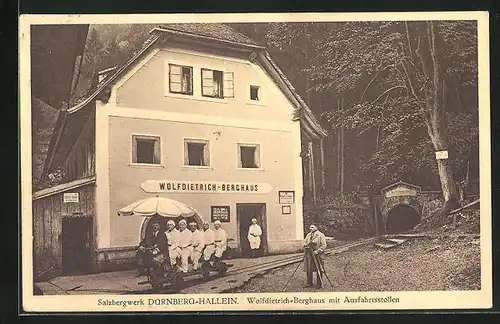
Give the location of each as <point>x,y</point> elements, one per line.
<point>416,265</point>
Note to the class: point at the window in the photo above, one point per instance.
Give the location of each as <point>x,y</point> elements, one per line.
<point>254,92</point>
<point>146,149</point>
<point>196,153</point>
<point>217,84</point>
<point>249,156</point>
<point>181,79</point>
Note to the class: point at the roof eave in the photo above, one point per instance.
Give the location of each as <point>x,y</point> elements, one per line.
<point>286,86</point>
<point>400,182</point>
<point>54,141</point>
<point>112,78</point>
<point>212,39</point>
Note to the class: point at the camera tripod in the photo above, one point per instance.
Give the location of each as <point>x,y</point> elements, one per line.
<point>319,268</point>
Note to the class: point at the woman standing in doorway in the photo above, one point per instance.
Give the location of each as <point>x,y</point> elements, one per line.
<point>254,233</point>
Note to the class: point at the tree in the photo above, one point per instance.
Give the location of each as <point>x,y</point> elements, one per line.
<point>405,85</point>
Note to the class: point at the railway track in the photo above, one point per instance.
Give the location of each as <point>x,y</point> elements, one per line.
<point>195,280</point>
<point>265,266</point>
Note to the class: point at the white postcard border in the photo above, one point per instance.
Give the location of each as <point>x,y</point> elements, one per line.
<point>407,300</point>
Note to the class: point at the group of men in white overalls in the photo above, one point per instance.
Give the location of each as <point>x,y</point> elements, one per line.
<point>190,243</point>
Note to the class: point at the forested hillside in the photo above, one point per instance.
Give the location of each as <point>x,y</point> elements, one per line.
<point>405,91</point>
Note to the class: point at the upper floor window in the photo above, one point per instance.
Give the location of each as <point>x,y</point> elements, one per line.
<point>146,149</point>
<point>181,79</point>
<point>254,92</point>
<point>196,152</point>
<point>249,156</point>
<point>217,84</point>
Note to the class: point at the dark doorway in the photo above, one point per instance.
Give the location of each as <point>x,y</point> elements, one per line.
<point>245,213</point>
<point>401,218</point>
<point>76,245</point>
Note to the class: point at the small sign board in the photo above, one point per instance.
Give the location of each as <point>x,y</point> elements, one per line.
<point>286,210</point>
<point>286,197</point>
<point>71,197</point>
<point>401,191</point>
<point>441,155</point>
<point>220,213</point>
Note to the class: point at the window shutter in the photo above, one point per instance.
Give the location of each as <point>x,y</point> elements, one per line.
<point>240,162</point>
<point>186,153</point>
<point>157,152</point>
<point>134,149</point>
<point>206,154</point>
<point>228,84</point>
<point>207,82</point>
<point>257,156</point>
<point>187,80</point>
<point>175,78</point>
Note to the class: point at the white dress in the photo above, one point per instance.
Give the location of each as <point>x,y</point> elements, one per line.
<point>208,238</point>
<point>173,238</point>
<point>197,243</point>
<point>185,248</point>
<point>220,239</point>
<point>254,233</point>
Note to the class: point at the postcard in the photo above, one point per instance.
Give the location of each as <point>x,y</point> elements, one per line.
<point>270,162</point>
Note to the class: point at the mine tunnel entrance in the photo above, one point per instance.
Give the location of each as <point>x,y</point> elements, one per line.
<point>401,218</point>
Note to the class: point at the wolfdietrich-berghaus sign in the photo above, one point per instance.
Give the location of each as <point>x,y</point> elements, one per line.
<point>174,186</point>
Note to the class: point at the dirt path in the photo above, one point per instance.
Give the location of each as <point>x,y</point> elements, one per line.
<point>416,265</point>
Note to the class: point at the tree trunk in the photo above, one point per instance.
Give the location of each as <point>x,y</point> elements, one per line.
<point>437,133</point>
<point>437,125</point>
<point>448,185</point>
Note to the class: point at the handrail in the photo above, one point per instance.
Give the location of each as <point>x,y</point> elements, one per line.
<point>475,202</point>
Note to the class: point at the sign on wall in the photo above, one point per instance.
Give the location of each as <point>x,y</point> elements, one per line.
<point>286,197</point>
<point>70,197</point>
<point>173,186</point>
<point>220,213</point>
<point>286,210</point>
<point>401,191</point>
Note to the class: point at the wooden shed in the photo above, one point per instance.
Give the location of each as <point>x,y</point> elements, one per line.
<point>63,229</point>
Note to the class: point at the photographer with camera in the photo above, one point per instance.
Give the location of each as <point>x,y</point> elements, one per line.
<point>314,249</point>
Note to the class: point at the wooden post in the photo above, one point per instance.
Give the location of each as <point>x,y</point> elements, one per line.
<point>339,170</point>
<point>342,147</point>
<point>323,181</point>
<point>313,178</point>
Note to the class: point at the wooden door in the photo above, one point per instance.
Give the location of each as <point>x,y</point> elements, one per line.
<point>76,245</point>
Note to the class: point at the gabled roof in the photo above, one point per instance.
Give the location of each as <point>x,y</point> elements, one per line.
<point>219,32</point>
<point>216,33</point>
<point>400,183</point>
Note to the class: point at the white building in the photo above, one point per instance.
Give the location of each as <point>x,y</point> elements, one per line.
<point>202,115</point>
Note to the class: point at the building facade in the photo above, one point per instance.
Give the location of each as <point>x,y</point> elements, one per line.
<point>202,115</point>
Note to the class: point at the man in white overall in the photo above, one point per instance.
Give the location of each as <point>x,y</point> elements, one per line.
<point>220,238</point>
<point>197,243</point>
<point>173,242</point>
<point>185,247</point>
<point>254,234</point>
<point>208,238</point>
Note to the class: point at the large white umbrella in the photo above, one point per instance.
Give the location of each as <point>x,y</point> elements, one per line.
<point>160,206</point>
<point>162,209</point>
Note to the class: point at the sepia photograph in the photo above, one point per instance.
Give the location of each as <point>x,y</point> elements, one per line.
<point>255,162</point>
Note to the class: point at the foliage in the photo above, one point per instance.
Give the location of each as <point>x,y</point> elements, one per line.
<point>395,114</point>
<point>361,64</point>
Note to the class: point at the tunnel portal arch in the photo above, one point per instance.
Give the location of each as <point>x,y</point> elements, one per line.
<point>400,207</point>
<point>401,218</point>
